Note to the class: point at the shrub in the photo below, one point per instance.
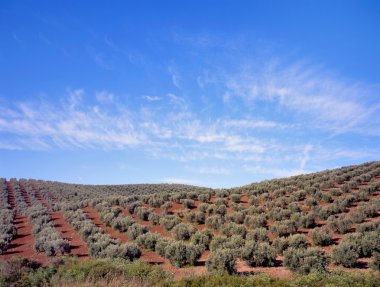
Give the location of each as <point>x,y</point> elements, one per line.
<point>283,228</point>
<point>340,224</point>
<point>161,245</point>
<point>202,238</point>
<point>234,242</point>
<point>154,218</point>
<point>142,213</point>
<point>169,222</point>
<point>200,217</point>
<point>148,240</point>
<point>204,197</point>
<point>279,214</point>
<point>221,201</point>
<point>123,223</point>
<point>257,234</point>
<point>358,216</point>
<point>130,251</point>
<point>133,206</point>
<point>305,260</point>
<point>237,217</point>
<point>367,226</point>
<point>280,244</point>
<point>311,201</point>
<point>221,209</point>
<point>365,244</point>
<point>214,222</point>
<point>346,254</point>
<point>321,237</point>
<point>306,220</point>
<point>203,207</point>
<point>253,200</point>
<point>297,241</point>
<point>261,254</point>
<point>233,229</point>
<point>166,206</point>
<point>235,198</point>
<point>135,230</point>
<point>375,261</point>
<point>180,253</point>
<point>183,231</point>
<point>188,215</point>
<point>222,260</point>
<point>187,203</point>
<point>255,221</point>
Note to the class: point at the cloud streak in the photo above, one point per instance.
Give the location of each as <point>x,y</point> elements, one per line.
<point>257,139</point>
<point>322,98</point>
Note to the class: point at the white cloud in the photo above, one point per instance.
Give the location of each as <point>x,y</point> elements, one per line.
<point>171,128</point>
<point>151,98</point>
<point>69,125</point>
<point>323,99</point>
<point>214,170</point>
<point>105,97</point>
<point>305,155</point>
<point>269,172</point>
<point>174,76</point>
<point>252,124</point>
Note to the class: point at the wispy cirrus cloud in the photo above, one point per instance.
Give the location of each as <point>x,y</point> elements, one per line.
<point>258,138</point>
<point>323,99</point>
<point>70,125</point>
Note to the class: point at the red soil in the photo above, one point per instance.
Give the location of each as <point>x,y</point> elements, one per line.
<point>277,271</point>
<point>244,200</point>
<point>94,216</point>
<point>78,246</point>
<point>176,207</point>
<point>23,244</point>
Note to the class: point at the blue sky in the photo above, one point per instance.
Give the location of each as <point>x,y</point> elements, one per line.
<point>212,93</point>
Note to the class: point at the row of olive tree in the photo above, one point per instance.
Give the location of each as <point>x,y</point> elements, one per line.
<point>47,238</point>
<point>7,228</point>
<point>100,244</point>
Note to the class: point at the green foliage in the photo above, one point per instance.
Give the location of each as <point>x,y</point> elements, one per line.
<point>340,224</point>
<point>234,242</point>
<point>168,222</point>
<point>255,221</point>
<point>346,254</point>
<point>183,231</point>
<point>148,240</point>
<point>375,261</point>
<point>222,260</point>
<point>259,254</point>
<point>214,222</point>
<point>180,253</point>
<point>136,230</point>
<point>232,228</point>
<point>306,260</point>
<point>161,245</point>
<point>321,237</point>
<point>106,272</point>
<point>187,203</point>
<point>258,234</point>
<point>202,238</point>
<point>235,198</point>
<point>283,228</point>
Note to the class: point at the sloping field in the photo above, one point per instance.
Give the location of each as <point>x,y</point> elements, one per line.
<point>325,221</point>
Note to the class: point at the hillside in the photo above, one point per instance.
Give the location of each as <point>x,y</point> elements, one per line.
<point>321,221</point>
